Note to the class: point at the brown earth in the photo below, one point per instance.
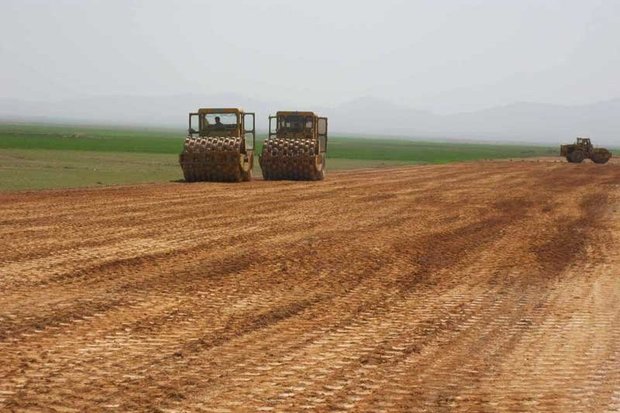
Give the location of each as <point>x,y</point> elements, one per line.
<point>481,287</point>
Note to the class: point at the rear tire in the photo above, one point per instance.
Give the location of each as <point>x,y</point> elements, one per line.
<point>600,159</point>
<point>246,176</point>
<point>576,157</point>
<point>319,173</point>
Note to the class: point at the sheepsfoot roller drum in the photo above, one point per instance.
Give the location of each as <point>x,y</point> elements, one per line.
<point>219,159</point>
<point>583,149</point>
<point>296,159</point>
<point>219,147</point>
<point>296,147</point>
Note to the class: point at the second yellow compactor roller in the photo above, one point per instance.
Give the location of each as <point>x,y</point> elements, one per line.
<point>220,146</point>
<point>296,147</point>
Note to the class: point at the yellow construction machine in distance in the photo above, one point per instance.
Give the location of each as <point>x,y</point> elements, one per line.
<point>296,148</point>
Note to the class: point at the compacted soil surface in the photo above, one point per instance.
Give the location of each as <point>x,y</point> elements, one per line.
<point>478,287</point>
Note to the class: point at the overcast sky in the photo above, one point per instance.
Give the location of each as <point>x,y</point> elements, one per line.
<point>446,56</point>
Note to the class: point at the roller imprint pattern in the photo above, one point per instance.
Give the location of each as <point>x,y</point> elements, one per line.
<point>220,159</point>
<point>474,287</point>
<point>292,159</point>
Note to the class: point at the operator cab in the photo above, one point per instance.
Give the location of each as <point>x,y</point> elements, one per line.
<point>217,122</point>
<point>584,141</point>
<point>295,123</point>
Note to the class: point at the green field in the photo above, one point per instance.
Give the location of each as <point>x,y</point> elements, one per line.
<point>52,156</point>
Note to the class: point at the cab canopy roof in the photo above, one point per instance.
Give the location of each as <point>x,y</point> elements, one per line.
<point>295,113</point>
<point>220,110</point>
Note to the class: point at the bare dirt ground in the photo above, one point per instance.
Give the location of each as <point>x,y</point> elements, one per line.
<point>481,287</point>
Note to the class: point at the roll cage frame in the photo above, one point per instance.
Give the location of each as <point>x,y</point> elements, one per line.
<point>317,130</point>
<point>243,119</point>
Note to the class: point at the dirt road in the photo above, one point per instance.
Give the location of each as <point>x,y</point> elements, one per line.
<point>482,287</point>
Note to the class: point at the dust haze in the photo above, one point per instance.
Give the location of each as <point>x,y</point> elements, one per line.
<point>510,70</point>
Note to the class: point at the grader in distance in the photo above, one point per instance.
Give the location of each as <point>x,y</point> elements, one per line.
<point>583,149</point>
<point>296,147</point>
<point>219,146</point>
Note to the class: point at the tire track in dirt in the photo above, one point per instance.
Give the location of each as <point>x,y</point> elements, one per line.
<point>469,287</point>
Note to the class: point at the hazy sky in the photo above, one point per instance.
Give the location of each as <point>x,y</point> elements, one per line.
<point>445,56</point>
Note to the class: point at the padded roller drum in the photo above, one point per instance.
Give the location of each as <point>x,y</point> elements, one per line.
<point>219,159</point>
<point>292,159</point>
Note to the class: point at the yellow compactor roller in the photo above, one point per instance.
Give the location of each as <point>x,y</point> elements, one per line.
<point>219,146</point>
<point>583,149</point>
<point>296,147</point>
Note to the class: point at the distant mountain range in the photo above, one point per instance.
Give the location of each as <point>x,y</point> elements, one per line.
<point>518,122</point>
